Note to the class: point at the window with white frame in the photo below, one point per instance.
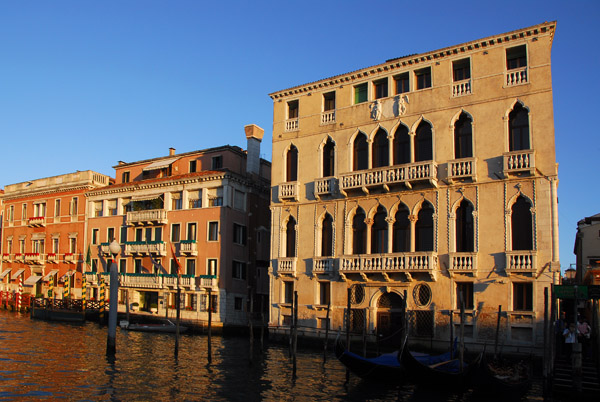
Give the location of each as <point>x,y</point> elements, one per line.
<point>55,245</point>
<point>95,236</point>
<point>213,231</point>
<point>73,207</point>
<point>24,212</point>
<point>175,232</point>
<point>73,245</point>
<point>212,266</point>
<point>56,208</point>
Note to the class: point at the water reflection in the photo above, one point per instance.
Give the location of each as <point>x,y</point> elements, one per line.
<point>45,360</point>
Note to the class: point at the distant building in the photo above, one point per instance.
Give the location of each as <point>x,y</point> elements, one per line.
<point>431,176</point>
<point>587,250</point>
<point>43,236</point>
<point>208,209</point>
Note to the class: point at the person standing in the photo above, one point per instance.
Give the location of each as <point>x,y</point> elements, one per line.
<point>570,335</point>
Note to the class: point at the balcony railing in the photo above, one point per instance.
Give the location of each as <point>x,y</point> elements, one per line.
<point>188,281</point>
<point>384,176</point>
<point>328,117</point>
<point>6,257</point>
<point>146,248</point>
<point>104,247</point>
<point>407,263</point>
<point>289,191</point>
<point>463,263</point>
<point>140,280</point>
<point>286,266</point>
<point>91,278</point>
<point>147,217</point>
<point>521,261</point>
<point>208,282</point>
<point>19,257</point>
<point>461,88</point>
<point>37,221</point>
<point>34,258</point>
<point>188,247</point>
<point>519,161</point>
<point>517,76</point>
<point>52,258</point>
<point>459,169</point>
<point>291,125</point>
<point>325,186</point>
<point>71,258</point>
<point>324,265</point>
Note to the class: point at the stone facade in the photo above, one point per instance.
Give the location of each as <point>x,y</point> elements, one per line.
<point>420,179</point>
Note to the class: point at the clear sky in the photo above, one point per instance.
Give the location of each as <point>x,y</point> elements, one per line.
<point>84,84</point>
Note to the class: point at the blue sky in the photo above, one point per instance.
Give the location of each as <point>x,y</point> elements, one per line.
<point>84,84</point>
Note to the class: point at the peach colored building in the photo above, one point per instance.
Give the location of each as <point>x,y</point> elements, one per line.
<point>210,207</point>
<point>414,181</point>
<point>43,234</point>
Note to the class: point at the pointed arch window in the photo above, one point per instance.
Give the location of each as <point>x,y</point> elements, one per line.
<point>401,241</point>
<point>361,152</point>
<point>463,137</point>
<point>424,228</point>
<point>521,225</point>
<point>381,151</point>
<point>290,238</point>
<point>379,232</point>
<point>359,233</point>
<point>518,129</point>
<point>292,164</point>
<point>327,236</point>
<point>423,143</point>
<point>329,158</point>
<point>401,146</point>
<point>464,227</point>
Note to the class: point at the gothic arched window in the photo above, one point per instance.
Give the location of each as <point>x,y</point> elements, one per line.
<point>290,238</point>
<point>401,241</point>
<point>292,164</point>
<point>381,152</point>
<point>327,236</point>
<point>463,137</point>
<point>423,143</point>
<point>379,232</point>
<point>521,225</point>
<point>424,228</point>
<point>361,152</point>
<point>359,233</point>
<point>329,158</point>
<point>518,129</point>
<point>464,227</point>
<point>401,146</point>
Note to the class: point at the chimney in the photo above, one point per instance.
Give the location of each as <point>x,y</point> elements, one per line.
<point>254,135</point>
<point>171,151</point>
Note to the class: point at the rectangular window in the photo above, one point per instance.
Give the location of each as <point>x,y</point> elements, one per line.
<point>195,199</point>
<point>461,70</point>
<point>55,245</point>
<point>73,209</point>
<point>329,101</point>
<point>402,83</point>
<point>466,288</point>
<point>213,231</point>
<point>423,78</point>
<point>190,267</point>
<point>239,200</point>
<point>522,296</point>
<point>95,238</point>
<point>380,88</point>
<point>148,234</point>
<point>212,267</point>
<point>176,202</point>
<point>293,107</point>
<point>39,209</point>
<point>112,207</point>
<point>516,57</point>
<point>22,246</point>
<point>8,246</point>
<point>217,162</point>
<point>361,93</point>
<point>24,212</point>
<point>238,270</point>
<point>122,265</point>
<point>125,177</point>
<point>239,234</point>
<point>94,265</point>
<point>237,303</point>
<point>139,234</point>
<point>138,266</point>
<point>324,323</point>
<point>97,209</point>
<point>193,166</point>
<point>123,234</point>
<point>73,245</point>
<point>174,267</point>
<point>288,292</point>
<point>158,234</point>
<point>110,235</point>
<point>324,293</point>
<point>191,231</point>
<point>11,213</point>
<point>56,208</point>
<point>175,232</point>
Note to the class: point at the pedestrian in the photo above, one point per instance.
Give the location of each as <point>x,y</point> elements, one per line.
<point>570,335</point>
<point>559,328</point>
<point>584,333</point>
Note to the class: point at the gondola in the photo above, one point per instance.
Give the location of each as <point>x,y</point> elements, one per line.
<point>166,327</point>
<point>496,378</point>
<point>383,368</point>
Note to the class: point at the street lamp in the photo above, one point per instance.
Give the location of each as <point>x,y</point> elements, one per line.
<point>570,274</point>
<point>111,345</point>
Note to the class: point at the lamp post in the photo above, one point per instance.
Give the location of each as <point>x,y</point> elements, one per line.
<point>111,345</point>
<point>570,274</point>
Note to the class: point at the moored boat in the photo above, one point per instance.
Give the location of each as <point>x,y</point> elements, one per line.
<point>166,327</point>
<point>385,367</point>
<point>497,377</point>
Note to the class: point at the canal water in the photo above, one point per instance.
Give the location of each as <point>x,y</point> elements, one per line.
<point>42,360</point>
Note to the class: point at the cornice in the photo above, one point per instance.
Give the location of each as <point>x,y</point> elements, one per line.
<point>28,194</point>
<point>546,28</point>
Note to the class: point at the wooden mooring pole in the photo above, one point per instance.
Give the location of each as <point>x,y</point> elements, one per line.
<point>251,326</point>
<point>497,331</point>
<point>326,333</point>
<point>210,309</point>
<point>178,301</point>
<point>295,332</point>
<point>349,293</point>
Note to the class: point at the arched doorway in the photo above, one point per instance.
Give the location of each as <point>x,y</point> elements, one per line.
<point>390,320</point>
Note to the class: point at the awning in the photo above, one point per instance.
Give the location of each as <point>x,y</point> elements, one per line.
<point>67,275</point>
<point>146,197</point>
<point>160,164</point>
<point>4,273</point>
<point>32,280</point>
<point>47,277</point>
<point>18,273</point>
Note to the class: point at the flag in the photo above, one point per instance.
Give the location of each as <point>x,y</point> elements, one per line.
<point>88,256</point>
<point>176,260</point>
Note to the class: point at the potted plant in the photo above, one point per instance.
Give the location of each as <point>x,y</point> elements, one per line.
<point>135,306</point>
<point>154,308</point>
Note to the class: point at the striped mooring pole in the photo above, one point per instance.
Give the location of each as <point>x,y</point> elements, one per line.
<point>83,290</point>
<point>66,288</point>
<point>19,293</point>
<point>102,298</point>
<point>51,288</point>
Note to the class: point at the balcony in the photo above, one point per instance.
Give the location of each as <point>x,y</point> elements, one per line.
<point>52,258</point>
<point>104,248</point>
<point>71,258</point>
<point>516,162</point>
<point>291,125</point>
<point>188,247</point>
<point>462,169</point>
<point>517,76</point>
<point>324,266</point>
<point>37,221</point>
<point>19,258</point>
<point>289,191</point>
<point>145,248</point>
<point>461,88</point>
<point>328,117</point>
<point>133,280</point>
<point>208,282</point>
<point>188,281</point>
<point>91,278</point>
<point>34,258</point>
<point>286,266</point>
<point>385,264</point>
<point>521,261</point>
<point>147,217</point>
<point>464,263</point>
<point>324,186</point>
<point>386,176</point>
<point>6,257</point>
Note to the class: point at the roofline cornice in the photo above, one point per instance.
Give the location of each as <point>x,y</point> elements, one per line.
<point>546,28</point>
<point>13,197</point>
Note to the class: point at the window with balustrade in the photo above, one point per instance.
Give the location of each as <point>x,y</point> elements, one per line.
<point>327,236</point>
<point>424,228</point>
<point>212,264</point>
<point>461,69</point>
<point>174,267</point>
<point>293,109</point>
<point>401,238</point>
<point>466,290</point>
<point>521,225</point>
<point>518,128</point>
<point>360,160</point>
<point>423,142</point>
<point>329,158</point>
<point>463,137</point>
<point>379,232</point>
<point>401,145</point>
<point>381,149</point>
<point>123,265</point>
<point>329,101</point>
<point>359,232</point>
<point>464,227</point>
<point>290,238</point>
<point>291,164</point>
<point>191,231</point>
<point>138,266</point>
<point>516,57</point>
<point>522,296</point>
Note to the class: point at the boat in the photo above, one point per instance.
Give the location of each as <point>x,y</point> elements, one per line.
<point>64,315</point>
<point>166,326</point>
<point>499,377</point>
<point>385,367</point>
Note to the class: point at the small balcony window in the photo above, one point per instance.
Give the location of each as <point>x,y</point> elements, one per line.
<point>461,70</point>
<point>293,107</point>
<point>329,101</point>
<point>516,57</point>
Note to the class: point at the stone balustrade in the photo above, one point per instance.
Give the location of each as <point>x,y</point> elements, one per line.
<point>517,76</point>
<point>401,174</point>
<point>521,261</point>
<point>519,161</point>
<point>288,190</point>
<point>462,169</point>
<point>328,117</point>
<point>324,265</point>
<point>461,88</point>
<point>147,217</point>
<point>325,186</point>
<point>286,266</point>
<point>291,125</point>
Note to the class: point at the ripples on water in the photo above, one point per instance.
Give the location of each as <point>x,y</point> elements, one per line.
<point>42,360</point>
